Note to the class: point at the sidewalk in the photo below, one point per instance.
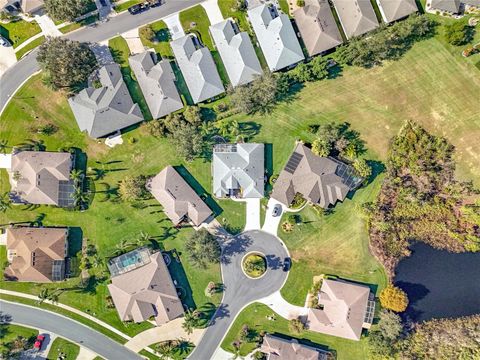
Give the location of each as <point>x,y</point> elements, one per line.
<point>47,25</point>
<point>174,26</point>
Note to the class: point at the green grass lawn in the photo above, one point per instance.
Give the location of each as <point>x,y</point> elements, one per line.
<point>19,31</point>
<point>10,333</point>
<point>124,6</point>
<point>198,16</point>
<point>162,46</point>
<point>255,317</point>
<point>121,52</point>
<point>63,347</point>
<point>227,8</point>
<point>77,25</point>
<point>284,6</point>
<point>30,46</point>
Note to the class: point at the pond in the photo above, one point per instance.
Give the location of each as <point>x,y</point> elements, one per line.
<point>439,283</point>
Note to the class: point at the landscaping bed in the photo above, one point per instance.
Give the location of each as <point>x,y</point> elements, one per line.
<point>254,265</point>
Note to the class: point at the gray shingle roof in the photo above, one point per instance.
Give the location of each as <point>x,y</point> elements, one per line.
<point>393,10</point>
<point>198,68</point>
<point>157,81</point>
<point>321,180</point>
<point>177,197</point>
<point>238,167</point>
<point>317,26</point>
<point>107,109</point>
<point>237,52</point>
<point>276,36</point>
<point>452,6</point>
<point>356,16</point>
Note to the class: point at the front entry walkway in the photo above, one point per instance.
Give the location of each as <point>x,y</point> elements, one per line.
<point>175,26</point>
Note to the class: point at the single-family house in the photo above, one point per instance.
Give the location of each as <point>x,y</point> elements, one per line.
<point>277,348</point>
<point>238,170</point>
<point>344,309</point>
<point>275,34</point>
<point>237,52</point>
<point>356,16</point>
<point>452,6</point>
<point>320,180</point>
<point>36,254</point>
<point>144,289</point>
<point>393,10</point>
<point>198,68</point>
<point>157,81</point>
<point>107,108</point>
<point>180,202</point>
<point>317,26</point>
<point>42,177</point>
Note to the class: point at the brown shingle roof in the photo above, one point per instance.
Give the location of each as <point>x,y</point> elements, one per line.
<point>344,309</point>
<point>177,197</point>
<point>316,178</point>
<point>40,175</point>
<point>281,349</point>
<point>31,6</point>
<point>32,252</point>
<point>146,291</point>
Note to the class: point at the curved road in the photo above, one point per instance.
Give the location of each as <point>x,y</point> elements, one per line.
<point>69,329</point>
<point>240,290</point>
<point>14,77</point>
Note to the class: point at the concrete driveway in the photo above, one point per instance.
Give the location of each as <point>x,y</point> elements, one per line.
<point>7,58</point>
<point>213,11</point>
<point>253,214</point>
<point>239,289</point>
<point>174,26</point>
<point>272,222</point>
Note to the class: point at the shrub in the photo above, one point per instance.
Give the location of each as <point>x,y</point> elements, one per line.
<point>301,3</point>
<point>394,298</point>
<point>296,326</point>
<point>456,33</point>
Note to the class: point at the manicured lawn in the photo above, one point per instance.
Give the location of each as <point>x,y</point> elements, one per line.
<point>124,6</point>
<point>63,347</point>
<point>19,31</point>
<point>284,6</point>
<point>77,25</point>
<point>11,331</point>
<point>30,46</point>
<point>195,20</point>
<point>255,317</point>
<point>162,46</point>
<point>121,52</point>
<point>240,17</point>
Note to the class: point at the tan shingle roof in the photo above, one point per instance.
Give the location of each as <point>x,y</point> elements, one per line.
<point>177,197</point>
<point>344,309</point>
<point>145,292</point>
<point>32,252</point>
<point>316,178</point>
<point>40,175</point>
<point>281,349</point>
<point>31,6</point>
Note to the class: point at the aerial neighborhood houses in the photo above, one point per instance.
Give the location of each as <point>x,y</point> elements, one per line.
<point>396,10</point>
<point>356,16</point>
<point>106,105</point>
<point>26,6</point>
<point>453,7</point>
<point>198,68</point>
<point>157,82</point>
<point>237,52</point>
<point>238,170</point>
<point>275,35</point>
<point>320,180</point>
<point>278,348</point>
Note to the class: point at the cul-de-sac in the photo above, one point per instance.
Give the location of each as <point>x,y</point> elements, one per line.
<point>240,179</point>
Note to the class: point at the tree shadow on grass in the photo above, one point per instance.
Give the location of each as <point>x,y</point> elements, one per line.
<point>268,166</point>
<point>179,276</point>
<point>204,195</point>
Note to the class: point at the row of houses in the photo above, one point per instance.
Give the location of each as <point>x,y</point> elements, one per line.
<point>106,108</point>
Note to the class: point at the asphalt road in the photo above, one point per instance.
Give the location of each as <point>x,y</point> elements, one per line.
<point>69,329</point>
<point>14,77</point>
<point>239,289</point>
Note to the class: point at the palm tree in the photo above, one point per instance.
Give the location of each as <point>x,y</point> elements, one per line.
<point>53,298</point>
<point>122,246</point>
<point>143,238</point>
<point>165,349</point>
<point>4,146</point>
<point>5,202</point>
<point>76,175</point>
<point>190,320</point>
<point>79,197</point>
<point>183,346</point>
<point>43,295</point>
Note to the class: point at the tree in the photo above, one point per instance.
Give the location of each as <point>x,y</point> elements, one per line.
<point>67,63</point>
<point>133,188</point>
<point>321,147</point>
<point>319,67</point>
<point>362,168</point>
<point>4,146</point>
<point>202,249</point>
<point>390,325</point>
<point>5,202</point>
<point>147,33</point>
<point>239,5</point>
<point>166,349</point>
<point>65,10</point>
<point>300,3</point>
<point>296,326</point>
<point>190,320</point>
<point>394,298</point>
<point>156,128</point>
<point>258,96</point>
<point>303,73</point>
<point>76,175</point>
<point>456,33</point>
<point>189,142</point>
<point>192,115</point>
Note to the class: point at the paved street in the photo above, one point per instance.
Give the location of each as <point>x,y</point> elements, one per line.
<point>16,75</point>
<point>240,290</point>
<point>69,329</point>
